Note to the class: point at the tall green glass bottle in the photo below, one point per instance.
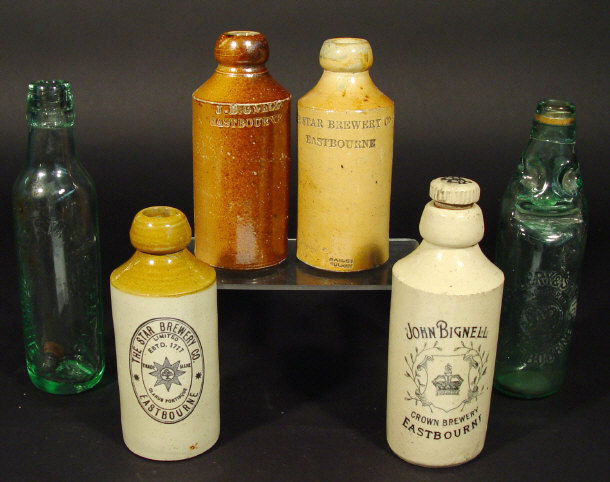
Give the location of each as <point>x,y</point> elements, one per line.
<point>541,241</point>
<point>58,250</point>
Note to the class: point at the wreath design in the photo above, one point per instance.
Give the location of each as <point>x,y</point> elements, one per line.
<point>477,358</point>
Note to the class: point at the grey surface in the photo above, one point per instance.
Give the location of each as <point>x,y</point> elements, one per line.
<point>303,398</point>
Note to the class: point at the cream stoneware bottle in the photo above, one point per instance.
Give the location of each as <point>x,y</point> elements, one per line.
<point>444,321</point>
<point>166,333</point>
<point>345,128</point>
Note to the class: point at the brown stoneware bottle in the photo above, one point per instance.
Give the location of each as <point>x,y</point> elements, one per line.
<point>241,156</point>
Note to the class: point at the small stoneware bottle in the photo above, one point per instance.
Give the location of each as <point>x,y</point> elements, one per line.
<point>241,156</point>
<point>444,322</point>
<point>345,144</point>
<point>165,324</point>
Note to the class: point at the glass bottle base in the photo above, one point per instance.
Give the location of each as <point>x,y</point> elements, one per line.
<point>83,379</point>
<point>526,385</point>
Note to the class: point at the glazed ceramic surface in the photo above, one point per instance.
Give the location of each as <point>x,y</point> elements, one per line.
<point>345,145</point>
<point>444,321</point>
<point>241,156</point>
<point>166,333</point>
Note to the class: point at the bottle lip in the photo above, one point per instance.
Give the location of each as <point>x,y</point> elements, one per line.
<point>160,230</point>
<point>346,54</point>
<point>242,33</point>
<point>50,103</point>
<point>555,112</point>
<point>241,48</point>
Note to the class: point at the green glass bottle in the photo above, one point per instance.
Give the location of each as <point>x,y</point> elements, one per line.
<point>541,241</point>
<point>58,250</point>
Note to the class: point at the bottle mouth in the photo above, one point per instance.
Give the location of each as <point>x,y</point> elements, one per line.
<point>346,54</point>
<point>242,33</point>
<point>241,49</point>
<point>53,93</point>
<point>160,230</point>
<point>555,112</point>
<point>348,41</point>
<point>50,103</point>
<point>159,212</point>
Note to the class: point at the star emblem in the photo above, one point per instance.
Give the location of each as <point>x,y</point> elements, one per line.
<point>167,373</point>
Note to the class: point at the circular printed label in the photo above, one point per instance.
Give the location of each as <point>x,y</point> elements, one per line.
<point>167,368</point>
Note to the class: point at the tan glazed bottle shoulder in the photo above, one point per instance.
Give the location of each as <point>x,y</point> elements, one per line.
<point>351,92</point>
<point>252,89</point>
<point>241,75</point>
<point>175,274</point>
<point>161,265</point>
<point>345,83</point>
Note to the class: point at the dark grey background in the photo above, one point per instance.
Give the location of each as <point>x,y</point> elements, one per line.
<point>304,374</point>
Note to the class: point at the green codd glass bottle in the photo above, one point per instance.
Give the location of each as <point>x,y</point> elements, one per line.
<point>541,241</point>
<point>58,250</point>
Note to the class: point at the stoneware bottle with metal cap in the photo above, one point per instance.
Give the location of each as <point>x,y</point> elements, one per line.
<point>345,144</point>
<point>241,156</point>
<point>166,333</point>
<point>444,321</point>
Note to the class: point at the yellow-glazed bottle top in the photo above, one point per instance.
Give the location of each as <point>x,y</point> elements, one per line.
<point>160,230</point>
<point>161,265</point>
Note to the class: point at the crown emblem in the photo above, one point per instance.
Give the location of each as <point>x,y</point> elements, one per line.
<point>448,384</point>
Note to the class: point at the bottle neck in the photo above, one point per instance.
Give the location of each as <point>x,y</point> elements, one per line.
<point>349,84</point>
<point>548,179</point>
<point>547,144</point>
<point>352,77</point>
<point>242,71</point>
<point>452,228</point>
<point>558,134</point>
<point>51,145</point>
